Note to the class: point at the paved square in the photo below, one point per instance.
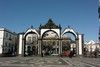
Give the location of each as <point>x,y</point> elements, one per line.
<point>50,61</point>
<point>32,62</point>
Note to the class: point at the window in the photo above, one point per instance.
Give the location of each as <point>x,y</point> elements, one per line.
<point>6,34</point>
<point>10,37</point>
<point>9,45</point>
<point>5,44</point>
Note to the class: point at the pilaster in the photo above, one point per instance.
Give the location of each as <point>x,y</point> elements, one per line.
<point>80,36</point>
<point>77,46</point>
<point>20,52</point>
<point>39,47</point>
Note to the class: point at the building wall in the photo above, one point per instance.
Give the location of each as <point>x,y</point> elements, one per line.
<point>92,47</point>
<point>1,39</point>
<point>7,40</point>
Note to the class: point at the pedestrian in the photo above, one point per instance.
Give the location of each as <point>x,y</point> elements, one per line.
<point>95,54</point>
<point>42,53</point>
<point>71,54</point>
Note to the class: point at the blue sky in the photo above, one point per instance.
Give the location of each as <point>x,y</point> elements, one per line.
<point>82,15</point>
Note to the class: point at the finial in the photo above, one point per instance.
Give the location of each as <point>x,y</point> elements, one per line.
<point>69,26</point>
<point>50,20</point>
<point>40,26</point>
<point>59,26</point>
<point>31,27</point>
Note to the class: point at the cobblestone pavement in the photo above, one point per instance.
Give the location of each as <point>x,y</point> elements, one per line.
<point>49,62</point>
<point>82,62</point>
<point>32,62</point>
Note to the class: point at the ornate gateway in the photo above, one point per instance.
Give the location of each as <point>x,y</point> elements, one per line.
<point>50,40</point>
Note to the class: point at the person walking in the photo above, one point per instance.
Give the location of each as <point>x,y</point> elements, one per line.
<point>71,54</point>
<point>42,53</point>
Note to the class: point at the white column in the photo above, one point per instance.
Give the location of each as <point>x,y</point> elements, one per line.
<point>80,44</point>
<point>20,43</point>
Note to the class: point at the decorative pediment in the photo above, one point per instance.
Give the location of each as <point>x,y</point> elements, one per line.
<point>50,25</point>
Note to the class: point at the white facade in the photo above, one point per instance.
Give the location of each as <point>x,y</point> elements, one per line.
<point>1,39</point>
<point>92,46</point>
<point>7,41</point>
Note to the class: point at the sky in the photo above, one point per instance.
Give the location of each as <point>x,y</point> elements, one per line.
<point>81,15</point>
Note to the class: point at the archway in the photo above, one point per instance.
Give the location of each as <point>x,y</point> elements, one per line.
<point>69,42</point>
<point>31,44</point>
<point>50,43</point>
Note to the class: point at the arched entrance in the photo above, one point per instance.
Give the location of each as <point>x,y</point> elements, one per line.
<point>30,44</point>
<point>69,42</point>
<point>50,44</point>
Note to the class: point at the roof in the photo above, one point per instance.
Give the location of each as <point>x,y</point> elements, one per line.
<point>91,42</point>
<point>49,25</point>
